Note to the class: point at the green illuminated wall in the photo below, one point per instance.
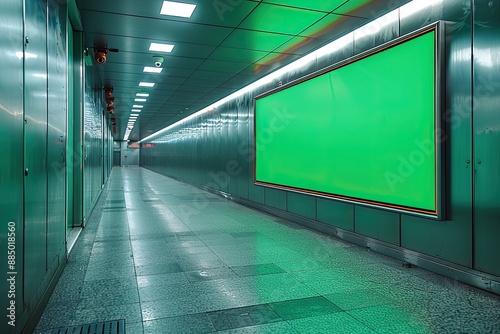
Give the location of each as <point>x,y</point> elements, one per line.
<point>364,131</point>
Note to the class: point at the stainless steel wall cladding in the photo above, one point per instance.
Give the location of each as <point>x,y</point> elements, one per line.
<point>77,108</point>
<point>34,129</point>
<point>11,135</point>
<point>486,120</point>
<point>35,147</point>
<point>92,140</point>
<point>56,131</point>
<point>220,143</point>
<point>450,239</point>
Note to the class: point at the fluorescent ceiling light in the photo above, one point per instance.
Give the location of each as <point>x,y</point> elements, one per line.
<point>146,84</point>
<point>142,94</point>
<point>136,110</point>
<point>177,9</point>
<point>148,69</point>
<point>134,115</point>
<point>160,47</point>
<point>140,100</point>
<point>137,106</point>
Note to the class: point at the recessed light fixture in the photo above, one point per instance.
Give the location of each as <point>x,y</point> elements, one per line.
<point>148,69</point>
<point>160,47</point>
<point>140,100</point>
<point>136,110</point>
<point>146,84</point>
<point>137,106</point>
<point>134,115</point>
<point>142,94</point>
<point>177,9</point>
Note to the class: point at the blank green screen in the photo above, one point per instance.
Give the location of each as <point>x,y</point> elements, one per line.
<point>362,132</point>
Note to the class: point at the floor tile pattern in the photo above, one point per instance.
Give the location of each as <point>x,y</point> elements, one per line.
<point>170,258</point>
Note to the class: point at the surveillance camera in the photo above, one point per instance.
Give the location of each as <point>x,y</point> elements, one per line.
<point>108,92</point>
<point>158,61</point>
<point>100,57</point>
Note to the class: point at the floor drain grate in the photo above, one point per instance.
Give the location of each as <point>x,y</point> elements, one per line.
<point>108,327</point>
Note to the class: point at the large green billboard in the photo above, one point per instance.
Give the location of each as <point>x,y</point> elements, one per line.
<point>362,131</point>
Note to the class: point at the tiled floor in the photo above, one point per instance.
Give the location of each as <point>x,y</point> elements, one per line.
<point>170,258</point>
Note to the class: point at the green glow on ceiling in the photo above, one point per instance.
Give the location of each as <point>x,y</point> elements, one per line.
<point>319,5</point>
<point>280,19</point>
<point>354,7</point>
<point>327,24</point>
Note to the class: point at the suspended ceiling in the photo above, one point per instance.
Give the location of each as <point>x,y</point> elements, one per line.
<point>222,47</point>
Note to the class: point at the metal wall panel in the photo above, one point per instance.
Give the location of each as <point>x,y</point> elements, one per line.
<point>275,198</point>
<point>116,158</point>
<point>105,150</point>
<point>35,148</point>
<point>77,112</point>
<point>380,31</point>
<point>202,150</point>
<point>70,132</point>
<point>110,150</point>
<point>92,140</point>
<point>11,136</point>
<point>449,239</point>
<point>487,136</point>
<point>244,146</point>
<point>56,131</point>
<point>344,49</point>
<point>255,193</point>
<point>231,167</point>
<point>335,213</point>
<point>381,225</point>
<point>216,140</point>
<point>302,205</point>
<point>222,160</point>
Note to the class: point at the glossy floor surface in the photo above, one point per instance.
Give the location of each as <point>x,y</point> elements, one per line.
<point>170,258</point>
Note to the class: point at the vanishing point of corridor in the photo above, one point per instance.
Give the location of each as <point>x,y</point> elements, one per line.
<point>170,258</point>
